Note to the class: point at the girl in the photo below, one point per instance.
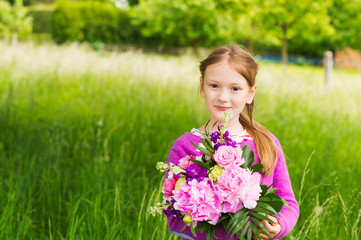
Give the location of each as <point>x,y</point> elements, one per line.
<point>227,83</point>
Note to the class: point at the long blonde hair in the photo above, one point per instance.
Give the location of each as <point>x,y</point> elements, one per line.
<point>244,64</point>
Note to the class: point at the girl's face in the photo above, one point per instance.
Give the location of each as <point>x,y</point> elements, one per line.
<point>224,89</point>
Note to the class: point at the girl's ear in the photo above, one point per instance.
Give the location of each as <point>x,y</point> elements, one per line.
<point>252,92</point>
<point>201,87</point>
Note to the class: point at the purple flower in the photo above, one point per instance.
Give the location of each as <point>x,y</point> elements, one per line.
<point>225,135</point>
<point>228,143</point>
<point>195,172</point>
<point>173,212</point>
<point>215,136</point>
<point>170,211</point>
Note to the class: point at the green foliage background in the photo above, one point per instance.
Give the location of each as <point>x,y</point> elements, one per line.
<point>91,21</point>
<point>311,26</point>
<point>302,28</point>
<point>81,131</point>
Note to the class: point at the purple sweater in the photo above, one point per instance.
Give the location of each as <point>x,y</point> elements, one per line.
<point>287,217</point>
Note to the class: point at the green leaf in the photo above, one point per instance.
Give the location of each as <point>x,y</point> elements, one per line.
<point>205,158</point>
<point>206,138</point>
<point>201,164</point>
<point>268,199</point>
<point>193,231</point>
<point>238,216</point>
<point>277,205</point>
<point>273,183</point>
<point>273,195</point>
<point>214,124</point>
<point>248,156</point>
<point>209,148</point>
<point>256,221</point>
<point>211,232</point>
<point>203,226</point>
<point>255,230</point>
<point>249,233</point>
<point>262,210</point>
<point>203,150</point>
<point>256,168</point>
<point>285,203</point>
<point>205,127</point>
<point>209,142</point>
<point>239,226</point>
<point>264,189</point>
<point>277,202</point>
<point>224,217</point>
<point>240,213</point>
<point>272,190</point>
<point>260,216</point>
<point>185,225</point>
<point>244,230</point>
<point>268,207</point>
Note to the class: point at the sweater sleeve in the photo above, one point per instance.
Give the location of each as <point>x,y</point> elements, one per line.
<point>287,216</point>
<point>176,224</point>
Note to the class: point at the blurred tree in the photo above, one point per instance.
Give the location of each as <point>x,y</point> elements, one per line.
<point>92,21</point>
<point>346,19</point>
<point>5,17</point>
<point>20,22</point>
<point>133,2</point>
<point>16,21</point>
<point>245,13</point>
<point>284,19</point>
<point>182,22</point>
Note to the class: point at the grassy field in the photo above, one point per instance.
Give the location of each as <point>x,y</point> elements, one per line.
<point>81,131</point>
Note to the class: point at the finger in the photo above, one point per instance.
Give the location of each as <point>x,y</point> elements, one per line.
<point>273,219</point>
<point>263,236</point>
<point>267,224</point>
<point>267,227</point>
<point>256,238</point>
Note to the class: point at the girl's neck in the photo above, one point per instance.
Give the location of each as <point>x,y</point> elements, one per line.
<point>234,128</point>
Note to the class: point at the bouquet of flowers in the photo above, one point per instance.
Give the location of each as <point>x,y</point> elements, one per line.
<point>219,187</point>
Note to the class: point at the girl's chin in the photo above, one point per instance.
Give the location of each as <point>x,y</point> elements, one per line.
<point>217,119</point>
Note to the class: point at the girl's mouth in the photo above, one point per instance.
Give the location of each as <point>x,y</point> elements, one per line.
<point>222,108</point>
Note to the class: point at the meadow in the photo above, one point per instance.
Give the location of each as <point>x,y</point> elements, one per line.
<point>81,132</point>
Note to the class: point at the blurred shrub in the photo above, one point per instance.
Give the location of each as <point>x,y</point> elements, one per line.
<point>5,17</point>
<point>92,22</point>
<point>67,22</point>
<point>41,20</point>
<point>14,19</point>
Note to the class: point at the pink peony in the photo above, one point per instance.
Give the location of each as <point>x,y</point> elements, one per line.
<point>239,188</point>
<point>169,185</point>
<point>185,161</point>
<point>199,200</point>
<point>227,155</point>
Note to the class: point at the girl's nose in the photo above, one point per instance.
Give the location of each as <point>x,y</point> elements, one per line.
<point>223,96</point>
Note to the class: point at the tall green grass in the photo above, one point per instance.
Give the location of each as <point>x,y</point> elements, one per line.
<point>81,131</point>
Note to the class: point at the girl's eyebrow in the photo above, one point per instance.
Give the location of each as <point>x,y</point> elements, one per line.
<point>212,80</point>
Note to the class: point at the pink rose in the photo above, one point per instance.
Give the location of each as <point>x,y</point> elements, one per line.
<point>239,188</point>
<point>199,200</point>
<point>185,161</point>
<point>227,155</point>
<point>169,185</point>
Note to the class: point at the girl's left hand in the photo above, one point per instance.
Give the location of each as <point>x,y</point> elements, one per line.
<point>273,228</point>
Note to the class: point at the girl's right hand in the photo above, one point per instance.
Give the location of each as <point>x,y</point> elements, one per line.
<point>273,229</point>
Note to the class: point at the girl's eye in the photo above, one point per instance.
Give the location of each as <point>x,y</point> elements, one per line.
<point>214,85</point>
<point>235,89</point>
